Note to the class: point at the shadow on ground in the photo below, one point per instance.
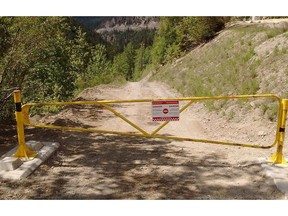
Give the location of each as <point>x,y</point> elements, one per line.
<point>97,166</point>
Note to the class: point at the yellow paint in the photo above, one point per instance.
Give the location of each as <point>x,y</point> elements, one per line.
<point>23,152</point>
<point>123,118</point>
<point>277,158</point>
<point>150,100</point>
<point>147,136</point>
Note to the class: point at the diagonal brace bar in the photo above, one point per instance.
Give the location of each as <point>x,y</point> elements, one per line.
<point>123,118</point>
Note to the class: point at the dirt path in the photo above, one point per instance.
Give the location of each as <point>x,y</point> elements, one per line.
<point>98,166</point>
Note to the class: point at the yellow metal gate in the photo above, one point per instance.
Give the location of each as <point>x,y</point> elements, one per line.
<point>22,117</point>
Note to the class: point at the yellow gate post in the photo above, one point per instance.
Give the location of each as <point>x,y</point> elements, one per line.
<point>23,151</point>
<point>278,157</point>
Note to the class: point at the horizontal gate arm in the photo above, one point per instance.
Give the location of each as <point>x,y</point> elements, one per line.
<point>149,136</point>
<point>165,123</point>
<point>64,128</point>
<point>150,100</point>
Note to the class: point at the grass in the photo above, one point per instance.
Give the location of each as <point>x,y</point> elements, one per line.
<point>229,66</point>
<point>270,110</point>
<point>213,66</point>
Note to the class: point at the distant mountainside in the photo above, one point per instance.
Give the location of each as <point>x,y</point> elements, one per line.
<point>91,22</point>
<point>106,24</point>
<point>119,31</point>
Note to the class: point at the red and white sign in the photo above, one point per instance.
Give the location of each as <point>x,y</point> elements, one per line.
<point>165,110</point>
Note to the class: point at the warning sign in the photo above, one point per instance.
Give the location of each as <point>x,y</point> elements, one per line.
<point>165,110</point>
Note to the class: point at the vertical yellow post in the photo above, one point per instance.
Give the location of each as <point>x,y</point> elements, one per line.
<point>278,157</point>
<point>23,151</point>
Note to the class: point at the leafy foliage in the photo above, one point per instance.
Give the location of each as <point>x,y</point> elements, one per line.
<point>43,56</point>
<point>118,40</point>
<point>142,59</point>
<point>177,35</point>
<point>52,58</point>
<point>99,69</point>
<point>195,30</point>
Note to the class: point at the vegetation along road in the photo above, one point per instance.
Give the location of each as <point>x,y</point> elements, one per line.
<point>97,58</point>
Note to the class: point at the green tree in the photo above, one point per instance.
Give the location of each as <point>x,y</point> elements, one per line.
<point>177,35</point>
<point>99,69</point>
<point>129,53</point>
<point>120,65</point>
<point>140,59</point>
<point>192,31</point>
<point>60,62</point>
<point>166,37</point>
<point>41,55</point>
<point>124,63</point>
<point>21,45</point>
<point>24,41</point>
<point>158,51</point>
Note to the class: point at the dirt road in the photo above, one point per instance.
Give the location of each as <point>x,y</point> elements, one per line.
<point>98,166</point>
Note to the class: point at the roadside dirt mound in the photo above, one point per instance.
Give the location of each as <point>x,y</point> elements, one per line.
<point>101,166</point>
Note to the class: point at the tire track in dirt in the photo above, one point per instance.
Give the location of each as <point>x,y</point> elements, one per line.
<point>99,166</point>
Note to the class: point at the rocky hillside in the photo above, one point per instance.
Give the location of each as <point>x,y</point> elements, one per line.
<point>103,25</point>
<point>125,23</point>
<point>245,58</point>
<point>121,30</point>
<point>118,31</point>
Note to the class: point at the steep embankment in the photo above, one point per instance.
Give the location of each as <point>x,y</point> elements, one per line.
<point>245,58</point>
